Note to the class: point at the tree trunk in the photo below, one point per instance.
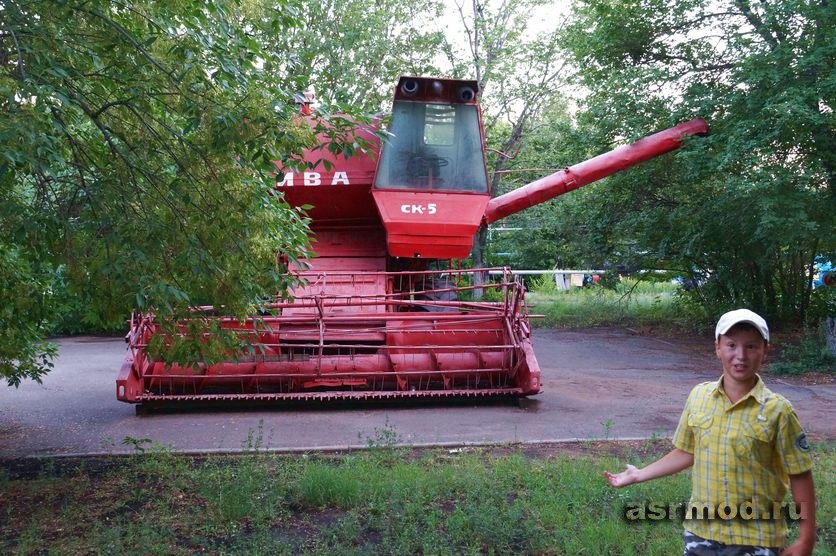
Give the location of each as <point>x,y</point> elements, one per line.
<point>829,326</point>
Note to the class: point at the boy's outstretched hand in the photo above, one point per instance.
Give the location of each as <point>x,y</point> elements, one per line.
<point>673,462</point>
<point>626,477</point>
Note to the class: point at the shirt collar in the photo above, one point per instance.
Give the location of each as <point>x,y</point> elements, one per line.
<point>756,392</point>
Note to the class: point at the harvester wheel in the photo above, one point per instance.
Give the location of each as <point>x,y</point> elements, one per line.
<point>528,404</point>
<point>143,409</point>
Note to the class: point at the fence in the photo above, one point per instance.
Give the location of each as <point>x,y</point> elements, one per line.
<point>563,279</point>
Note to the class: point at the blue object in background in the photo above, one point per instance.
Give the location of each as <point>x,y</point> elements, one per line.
<point>825,274</point>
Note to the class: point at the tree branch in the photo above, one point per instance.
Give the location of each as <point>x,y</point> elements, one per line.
<point>111,104</point>
<point>130,38</point>
<point>756,22</point>
<point>20,70</point>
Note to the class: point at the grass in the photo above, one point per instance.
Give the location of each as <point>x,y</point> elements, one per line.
<point>631,303</point>
<point>384,500</point>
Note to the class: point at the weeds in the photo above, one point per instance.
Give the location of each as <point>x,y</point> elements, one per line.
<point>808,355</point>
<point>384,437</point>
<point>383,445</point>
<point>608,425</point>
<point>544,284</point>
<point>138,444</point>
<point>429,502</point>
<point>631,302</point>
<point>255,439</point>
<point>324,484</point>
<point>239,489</point>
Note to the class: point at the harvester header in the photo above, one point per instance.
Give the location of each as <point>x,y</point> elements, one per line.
<point>380,313</point>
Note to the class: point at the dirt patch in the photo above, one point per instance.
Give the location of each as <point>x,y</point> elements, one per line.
<point>300,532</point>
<point>807,379</point>
<point>591,448</point>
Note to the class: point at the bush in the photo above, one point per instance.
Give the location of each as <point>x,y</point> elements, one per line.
<point>543,283</point>
<point>807,355</point>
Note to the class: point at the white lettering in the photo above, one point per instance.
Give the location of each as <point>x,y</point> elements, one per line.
<point>312,178</point>
<point>430,208</point>
<point>340,177</point>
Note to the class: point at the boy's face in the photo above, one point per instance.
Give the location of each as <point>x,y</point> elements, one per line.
<point>741,351</point>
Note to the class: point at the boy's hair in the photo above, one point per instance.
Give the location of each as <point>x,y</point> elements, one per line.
<point>745,327</point>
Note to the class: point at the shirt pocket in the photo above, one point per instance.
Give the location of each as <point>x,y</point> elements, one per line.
<point>753,443</point>
<point>700,425</point>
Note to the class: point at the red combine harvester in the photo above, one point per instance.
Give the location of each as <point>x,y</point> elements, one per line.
<point>373,319</point>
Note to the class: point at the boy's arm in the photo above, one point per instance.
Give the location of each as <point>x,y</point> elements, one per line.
<point>673,462</point>
<point>804,496</point>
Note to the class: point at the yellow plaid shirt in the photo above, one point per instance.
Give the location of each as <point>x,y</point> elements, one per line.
<point>743,456</point>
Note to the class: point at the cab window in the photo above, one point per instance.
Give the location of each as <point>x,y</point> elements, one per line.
<point>433,146</point>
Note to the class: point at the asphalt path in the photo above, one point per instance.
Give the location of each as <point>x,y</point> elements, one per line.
<point>599,383</point>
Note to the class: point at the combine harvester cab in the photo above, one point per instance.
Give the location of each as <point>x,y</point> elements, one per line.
<point>382,313</point>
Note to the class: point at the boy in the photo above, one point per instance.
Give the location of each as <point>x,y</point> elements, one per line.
<point>745,444</point>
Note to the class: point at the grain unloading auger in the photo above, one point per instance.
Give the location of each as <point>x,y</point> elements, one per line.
<point>372,320</point>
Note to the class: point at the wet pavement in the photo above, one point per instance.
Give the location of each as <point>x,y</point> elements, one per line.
<point>599,383</point>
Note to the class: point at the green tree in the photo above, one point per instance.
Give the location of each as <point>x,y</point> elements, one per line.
<point>519,73</point>
<point>352,52</point>
<point>136,149</point>
<point>536,237</point>
<point>751,206</point>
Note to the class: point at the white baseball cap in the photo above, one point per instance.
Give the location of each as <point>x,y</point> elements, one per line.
<point>741,315</point>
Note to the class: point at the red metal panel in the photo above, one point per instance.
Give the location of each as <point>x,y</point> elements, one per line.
<point>339,191</point>
<point>429,224</point>
<point>334,285</point>
<point>348,241</point>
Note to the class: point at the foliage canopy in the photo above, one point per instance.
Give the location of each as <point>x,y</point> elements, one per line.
<point>747,210</point>
<point>135,168</point>
<point>352,52</point>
